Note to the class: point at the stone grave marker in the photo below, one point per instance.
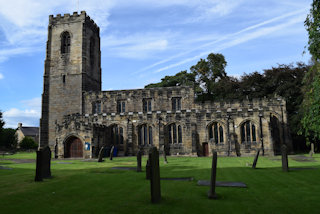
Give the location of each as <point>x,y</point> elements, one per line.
<point>256,159</point>
<point>43,164</point>
<point>165,154</point>
<point>148,169</point>
<point>284,154</point>
<point>154,175</point>
<point>139,157</point>
<point>212,192</point>
<point>111,152</point>
<point>100,156</point>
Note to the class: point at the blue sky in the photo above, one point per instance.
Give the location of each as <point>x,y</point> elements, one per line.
<point>144,40</point>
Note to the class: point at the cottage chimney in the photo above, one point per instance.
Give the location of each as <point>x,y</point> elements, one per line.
<point>19,125</point>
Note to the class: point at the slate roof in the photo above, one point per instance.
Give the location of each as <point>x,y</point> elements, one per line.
<point>30,131</point>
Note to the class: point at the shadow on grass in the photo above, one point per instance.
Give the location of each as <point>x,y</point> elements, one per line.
<point>86,187</point>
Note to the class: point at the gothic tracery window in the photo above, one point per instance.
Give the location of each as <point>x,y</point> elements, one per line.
<point>248,132</point>
<point>216,133</point>
<point>174,133</point>
<point>145,135</point>
<point>116,135</point>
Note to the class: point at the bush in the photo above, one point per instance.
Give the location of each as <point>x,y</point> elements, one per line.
<point>28,143</point>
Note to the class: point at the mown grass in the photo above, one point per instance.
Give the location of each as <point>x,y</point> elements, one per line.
<point>92,187</point>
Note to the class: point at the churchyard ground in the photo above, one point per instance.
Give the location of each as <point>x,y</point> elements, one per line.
<point>80,186</point>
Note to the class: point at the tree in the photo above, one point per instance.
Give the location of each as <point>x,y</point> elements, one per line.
<point>208,72</point>
<point>183,78</point>
<point>8,138</point>
<point>312,24</point>
<point>28,143</point>
<point>311,105</point>
<point>1,122</point>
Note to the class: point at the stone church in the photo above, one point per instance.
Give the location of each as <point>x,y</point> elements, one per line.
<point>78,118</point>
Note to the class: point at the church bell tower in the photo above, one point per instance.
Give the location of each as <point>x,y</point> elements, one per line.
<point>72,66</point>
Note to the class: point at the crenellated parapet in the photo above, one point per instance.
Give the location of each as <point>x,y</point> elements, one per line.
<point>75,17</point>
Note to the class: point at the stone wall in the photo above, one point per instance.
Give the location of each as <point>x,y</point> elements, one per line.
<point>194,124</point>
<point>161,99</point>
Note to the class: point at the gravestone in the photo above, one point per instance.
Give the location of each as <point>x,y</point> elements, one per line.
<point>165,154</point>
<point>139,155</point>
<point>100,156</point>
<point>256,159</point>
<point>43,164</point>
<point>111,152</point>
<point>148,170</point>
<point>212,192</point>
<point>284,154</point>
<point>154,175</point>
<point>311,150</point>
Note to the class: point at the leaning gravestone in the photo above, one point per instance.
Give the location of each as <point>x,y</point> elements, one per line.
<point>100,156</point>
<point>154,175</point>
<point>256,159</point>
<point>212,192</point>
<point>139,155</point>
<point>284,154</point>
<point>111,152</point>
<point>43,164</point>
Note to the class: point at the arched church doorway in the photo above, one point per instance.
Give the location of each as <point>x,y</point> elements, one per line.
<point>275,134</point>
<point>73,148</point>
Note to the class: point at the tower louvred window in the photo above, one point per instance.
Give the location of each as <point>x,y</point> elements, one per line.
<point>65,43</point>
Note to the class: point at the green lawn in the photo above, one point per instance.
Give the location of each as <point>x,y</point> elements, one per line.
<point>92,187</point>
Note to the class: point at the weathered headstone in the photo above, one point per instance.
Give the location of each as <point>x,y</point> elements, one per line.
<point>43,164</point>
<point>256,159</point>
<point>154,175</point>
<point>139,157</point>
<point>284,154</point>
<point>111,152</point>
<point>148,169</point>
<point>212,192</point>
<point>100,156</point>
<point>165,154</point>
<point>311,150</point>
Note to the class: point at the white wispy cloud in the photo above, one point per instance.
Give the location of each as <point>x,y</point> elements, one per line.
<point>24,23</point>
<point>244,35</point>
<point>1,76</point>
<point>136,46</point>
<point>29,114</point>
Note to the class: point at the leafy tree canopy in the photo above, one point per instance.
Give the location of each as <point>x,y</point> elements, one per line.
<point>1,122</point>
<point>209,71</point>
<point>182,78</point>
<point>312,24</point>
<point>8,138</point>
<point>311,103</point>
<point>28,143</point>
